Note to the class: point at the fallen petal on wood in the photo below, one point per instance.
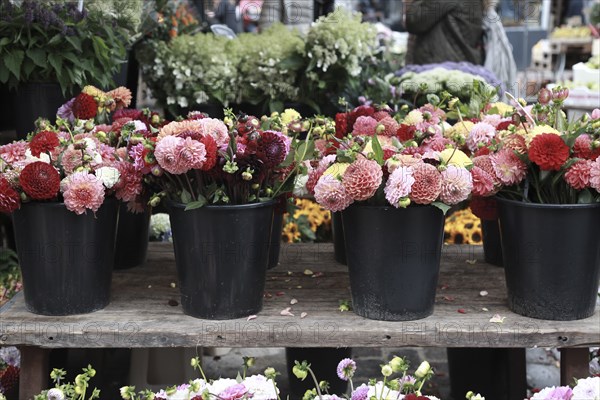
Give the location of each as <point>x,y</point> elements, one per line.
<point>251,317</point>
<point>286,312</point>
<point>293,301</point>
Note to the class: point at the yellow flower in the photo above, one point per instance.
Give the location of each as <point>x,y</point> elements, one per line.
<point>337,170</point>
<point>460,130</point>
<point>291,233</point>
<point>290,115</point>
<point>503,108</point>
<point>413,118</point>
<point>538,130</point>
<point>455,157</point>
<point>94,92</point>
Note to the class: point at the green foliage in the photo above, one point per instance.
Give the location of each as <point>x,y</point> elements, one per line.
<point>59,44</point>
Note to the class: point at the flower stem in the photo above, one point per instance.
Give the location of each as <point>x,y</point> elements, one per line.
<point>316,383</point>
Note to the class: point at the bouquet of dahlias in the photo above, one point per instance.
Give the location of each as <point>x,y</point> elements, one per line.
<point>537,157</point>
<point>201,160</point>
<point>380,160</point>
<point>584,389</point>
<point>256,387</point>
<point>71,161</point>
<point>397,384</point>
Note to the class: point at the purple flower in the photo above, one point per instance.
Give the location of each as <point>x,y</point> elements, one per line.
<point>233,392</point>
<point>360,393</point>
<point>407,380</point>
<point>346,368</point>
<point>554,393</point>
<point>66,111</point>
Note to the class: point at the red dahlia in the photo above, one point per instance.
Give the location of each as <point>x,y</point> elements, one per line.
<point>211,152</point>
<point>9,379</point>
<point>341,125</point>
<point>85,107</point>
<point>128,113</point>
<point>271,149</point>
<point>583,148</point>
<point>406,132</point>
<point>43,142</point>
<point>360,111</point>
<point>9,198</point>
<point>40,181</point>
<point>502,126</point>
<point>548,151</point>
<point>482,151</point>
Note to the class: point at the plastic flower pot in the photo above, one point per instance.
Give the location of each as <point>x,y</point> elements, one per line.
<point>275,246</point>
<point>132,238</point>
<point>551,258</point>
<point>66,259</point>
<point>393,260</point>
<point>492,246</point>
<point>222,254</point>
<point>36,100</point>
<point>337,229</point>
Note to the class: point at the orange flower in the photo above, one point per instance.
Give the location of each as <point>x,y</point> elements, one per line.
<point>173,33</point>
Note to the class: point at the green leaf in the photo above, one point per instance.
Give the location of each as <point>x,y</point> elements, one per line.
<point>56,61</point>
<point>4,73</point>
<point>293,62</point>
<point>75,42</point>
<point>28,67</point>
<point>38,56</point>
<point>305,150</point>
<point>276,106</point>
<point>441,206</point>
<point>4,41</point>
<point>13,61</point>
<point>55,39</point>
<point>186,197</point>
<point>585,197</point>
<point>377,150</point>
<point>201,202</point>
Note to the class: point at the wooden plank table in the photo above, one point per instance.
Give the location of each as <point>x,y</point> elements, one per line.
<point>145,312</point>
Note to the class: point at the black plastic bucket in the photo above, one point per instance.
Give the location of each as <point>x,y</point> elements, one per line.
<point>33,101</point>
<point>222,254</point>
<point>337,230</point>
<point>275,245</point>
<point>551,258</point>
<point>132,238</point>
<point>66,259</point>
<point>393,260</point>
<point>492,245</point>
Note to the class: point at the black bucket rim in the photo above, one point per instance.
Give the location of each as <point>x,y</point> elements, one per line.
<point>61,204</point>
<point>175,204</point>
<point>570,206</point>
<point>387,207</point>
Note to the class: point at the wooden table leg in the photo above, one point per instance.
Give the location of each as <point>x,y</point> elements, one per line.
<point>34,371</point>
<point>574,363</point>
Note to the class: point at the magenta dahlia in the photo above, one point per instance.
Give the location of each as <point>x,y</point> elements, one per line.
<point>509,168</point>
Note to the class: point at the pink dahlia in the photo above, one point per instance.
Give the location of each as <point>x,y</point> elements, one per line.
<point>217,129</point>
<point>578,175</point>
<point>9,198</point>
<point>595,174</point>
<point>83,191</point>
<point>71,159</point>
<point>365,126</point>
<point>362,178</point>
<point>192,154</point>
<point>167,155</point>
<point>13,152</point>
<point>379,115</point>
<point>515,142</point>
<point>457,185</point>
<point>481,134</point>
<point>388,126</point>
<point>129,185</point>
<point>583,147</point>
<point>233,392</point>
<point>435,143</point>
<point>331,194</point>
<point>428,184</point>
<point>509,168</point>
<point>596,114</point>
<point>483,183</point>
<point>398,185</point>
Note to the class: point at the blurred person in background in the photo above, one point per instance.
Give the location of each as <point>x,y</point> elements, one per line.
<point>444,30</point>
<point>228,12</point>
<point>294,13</point>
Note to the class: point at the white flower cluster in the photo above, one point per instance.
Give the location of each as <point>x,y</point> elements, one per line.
<point>339,39</point>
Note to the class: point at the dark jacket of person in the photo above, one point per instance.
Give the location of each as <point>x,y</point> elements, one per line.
<point>445,30</point>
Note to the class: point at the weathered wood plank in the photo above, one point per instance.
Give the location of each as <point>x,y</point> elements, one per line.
<point>140,314</point>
